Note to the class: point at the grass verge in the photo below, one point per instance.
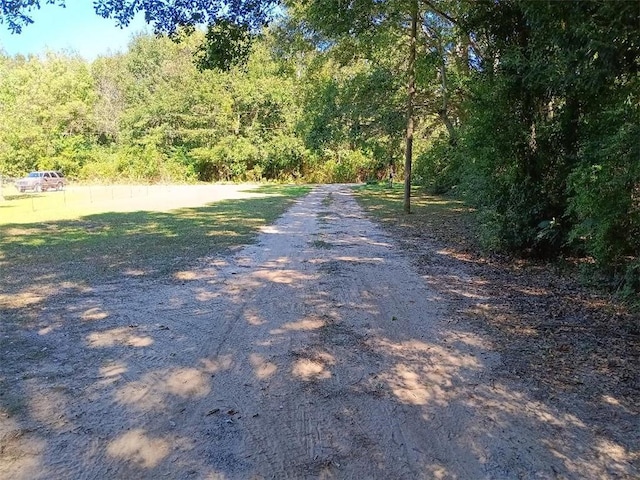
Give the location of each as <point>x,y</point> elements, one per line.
<point>440,218</point>
<point>105,246</point>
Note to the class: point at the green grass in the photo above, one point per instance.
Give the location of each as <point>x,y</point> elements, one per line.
<point>65,205</point>
<point>442,218</point>
<point>383,200</point>
<point>109,245</point>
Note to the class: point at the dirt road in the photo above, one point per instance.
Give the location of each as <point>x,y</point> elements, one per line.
<point>319,352</point>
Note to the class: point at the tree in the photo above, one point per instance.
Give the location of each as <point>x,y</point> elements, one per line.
<point>16,13</point>
<point>411,94</point>
<point>552,128</point>
<point>165,17</point>
<point>361,27</point>
<point>531,107</point>
<point>231,25</point>
<point>47,113</point>
<point>351,111</point>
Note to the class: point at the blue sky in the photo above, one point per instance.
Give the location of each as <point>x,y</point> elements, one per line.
<point>76,28</point>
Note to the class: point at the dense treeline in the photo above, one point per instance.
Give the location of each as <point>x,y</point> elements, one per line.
<point>149,115</point>
<point>549,147</point>
<point>528,108</point>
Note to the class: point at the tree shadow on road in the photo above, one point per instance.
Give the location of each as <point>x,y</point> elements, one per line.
<point>327,364</point>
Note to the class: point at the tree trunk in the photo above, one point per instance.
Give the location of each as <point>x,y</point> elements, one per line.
<point>411,92</point>
<point>444,111</point>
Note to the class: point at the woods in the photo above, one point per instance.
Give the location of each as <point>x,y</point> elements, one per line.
<point>529,110</point>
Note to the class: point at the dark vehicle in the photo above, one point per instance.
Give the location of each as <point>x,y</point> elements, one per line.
<point>41,181</point>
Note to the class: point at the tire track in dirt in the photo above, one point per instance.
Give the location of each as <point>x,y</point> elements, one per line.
<point>318,352</point>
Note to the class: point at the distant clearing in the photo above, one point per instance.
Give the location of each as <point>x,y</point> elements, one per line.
<point>77,201</point>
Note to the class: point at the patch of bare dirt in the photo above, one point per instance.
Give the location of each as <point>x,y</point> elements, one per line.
<point>574,347</point>
<point>322,351</point>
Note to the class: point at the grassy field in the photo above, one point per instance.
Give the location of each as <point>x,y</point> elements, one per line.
<point>79,201</point>
<point>68,204</point>
<point>56,245</point>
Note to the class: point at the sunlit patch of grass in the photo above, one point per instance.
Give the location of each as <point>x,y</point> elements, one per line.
<point>441,216</point>
<point>383,200</point>
<point>41,207</point>
<point>104,246</point>
<point>276,189</point>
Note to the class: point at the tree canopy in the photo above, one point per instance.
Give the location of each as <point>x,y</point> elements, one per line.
<point>164,16</point>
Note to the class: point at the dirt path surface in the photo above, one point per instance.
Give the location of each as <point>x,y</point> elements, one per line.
<point>318,352</point>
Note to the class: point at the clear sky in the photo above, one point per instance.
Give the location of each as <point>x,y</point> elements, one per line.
<point>76,28</point>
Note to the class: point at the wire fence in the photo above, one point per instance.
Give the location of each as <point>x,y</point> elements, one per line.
<point>79,200</point>
<point>84,197</point>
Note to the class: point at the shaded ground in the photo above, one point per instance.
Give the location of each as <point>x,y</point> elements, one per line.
<point>323,351</point>
<point>574,347</point>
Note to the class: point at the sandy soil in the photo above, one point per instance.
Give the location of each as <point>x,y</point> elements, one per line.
<point>319,352</point>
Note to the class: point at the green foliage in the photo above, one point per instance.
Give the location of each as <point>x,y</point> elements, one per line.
<point>353,113</point>
<point>227,44</point>
<point>70,154</point>
<point>605,188</point>
<point>232,157</point>
<point>45,104</point>
<point>150,115</point>
<point>551,128</point>
<point>439,167</point>
<point>342,166</point>
<point>137,164</point>
<point>497,175</point>
<point>284,159</point>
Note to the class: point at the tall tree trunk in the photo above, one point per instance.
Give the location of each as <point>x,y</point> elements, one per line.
<point>411,93</point>
<point>444,111</point>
